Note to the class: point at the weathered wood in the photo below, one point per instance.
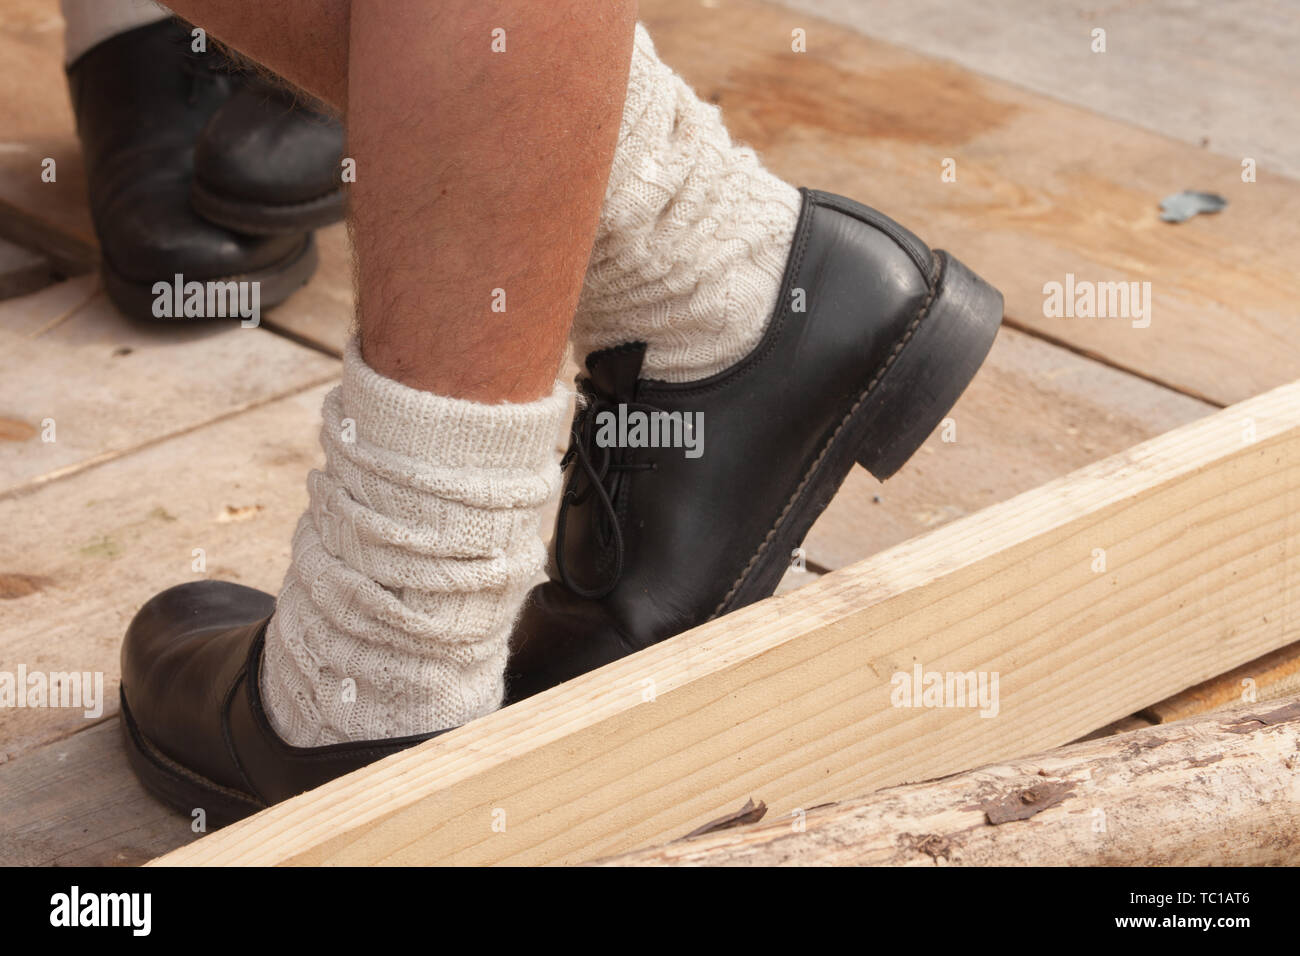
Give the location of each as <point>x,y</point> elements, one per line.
<point>75,802</point>
<point>790,699</point>
<point>1221,789</point>
<point>1043,189</point>
<point>1035,412</point>
<point>323,311</point>
<point>1215,75</point>
<point>105,384</point>
<point>1082,411</point>
<point>80,555</point>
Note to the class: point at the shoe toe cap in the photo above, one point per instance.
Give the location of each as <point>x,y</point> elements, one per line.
<point>178,655</point>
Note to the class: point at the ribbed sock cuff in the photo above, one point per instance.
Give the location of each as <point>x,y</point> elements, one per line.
<point>448,432</point>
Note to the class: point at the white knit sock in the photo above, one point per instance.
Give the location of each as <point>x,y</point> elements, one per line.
<point>693,236</point>
<point>411,562</point>
<point>89,23</point>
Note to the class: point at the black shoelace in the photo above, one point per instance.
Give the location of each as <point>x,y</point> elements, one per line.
<point>601,481</point>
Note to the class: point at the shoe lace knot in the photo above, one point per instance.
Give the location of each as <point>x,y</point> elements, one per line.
<point>598,476</point>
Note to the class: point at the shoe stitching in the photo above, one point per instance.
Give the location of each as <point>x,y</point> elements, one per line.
<point>178,770</point>
<point>898,348</point>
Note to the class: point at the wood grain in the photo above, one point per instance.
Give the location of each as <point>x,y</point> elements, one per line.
<point>789,700</point>
<point>1218,790</point>
<point>84,553</point>
<point>1043,189</point>
<point>1217,76</point>
<point>109,384</point>
<point>76,802</point>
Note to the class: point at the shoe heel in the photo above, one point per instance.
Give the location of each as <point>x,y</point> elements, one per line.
<point>931,371</point>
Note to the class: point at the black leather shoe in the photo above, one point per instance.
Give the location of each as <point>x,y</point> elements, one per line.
<point>268,164</point>
<point>192,716</point>
<point>650,542</point>
<point>141,98</point>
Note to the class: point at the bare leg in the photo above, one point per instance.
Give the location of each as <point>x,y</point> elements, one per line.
<point>476,171</point>
<point>304,41</point>
<point>480,176</point>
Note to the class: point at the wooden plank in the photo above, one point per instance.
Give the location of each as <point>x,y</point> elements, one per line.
<point>1033,413</point>
<point>1219,790</point>
<point>1043,189</point>
<point>1272,676</point>
<point>79,556</point>
<point>791,698</point>
<point>108,384</point>
<point>1158,71</point>
<point>322,312</point>
<point>76,802</point>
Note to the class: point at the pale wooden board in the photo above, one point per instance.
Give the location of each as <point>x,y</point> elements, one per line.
<point>82,554</point>
<point>1215,791</point>
<point>789,700</point>
<point>110,384</point>
<point>1043,188</point>
<point>75,802</point>
<point>1220,75</point>
<point>1034,412</point>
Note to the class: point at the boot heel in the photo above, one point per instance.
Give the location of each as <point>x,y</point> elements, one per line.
<point>931,371</point>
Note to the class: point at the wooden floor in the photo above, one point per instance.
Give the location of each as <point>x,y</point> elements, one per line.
<point>172,439</point>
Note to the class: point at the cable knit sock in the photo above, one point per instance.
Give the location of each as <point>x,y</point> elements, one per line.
<point>410,563</point>
<point>89,23</point>
<point>693,236</point>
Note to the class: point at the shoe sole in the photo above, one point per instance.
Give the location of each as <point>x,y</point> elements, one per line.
<point>944,347</point>
<point>268,219</point>
<point>178,786</point>
<point>135,298</point>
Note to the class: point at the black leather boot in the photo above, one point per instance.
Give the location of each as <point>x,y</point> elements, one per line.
<point>650,541</point>
<point>192,717</point>
<point>141,98</point>
<point>268,163</point>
